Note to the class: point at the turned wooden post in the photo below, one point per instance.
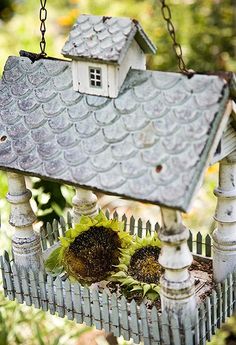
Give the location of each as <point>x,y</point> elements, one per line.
<point>25,242</point>
<point>224,237</point>
<point>84,203</point>
<point>177,284</point>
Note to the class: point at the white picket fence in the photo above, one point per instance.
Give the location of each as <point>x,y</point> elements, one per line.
<point>60,296</point>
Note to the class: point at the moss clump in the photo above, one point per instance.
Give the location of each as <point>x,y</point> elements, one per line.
<point>90,251</point>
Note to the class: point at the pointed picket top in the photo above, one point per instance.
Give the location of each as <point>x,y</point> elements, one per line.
<point>131,225</point>
<point>134,323</point>
<point>199,243</point>
<point>190,241</point>
<point>124,219</point>
<point>140,228</point>
<point>6,256</point>
<point>157,227</point>
<point>62,226</point>
<point>115,215</point>
<point>208,250</point>
<point>148,228</point>
<point>155,325</point>
<point>107,213</point>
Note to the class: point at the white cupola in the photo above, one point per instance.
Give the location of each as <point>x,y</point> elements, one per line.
<point>103,49</point>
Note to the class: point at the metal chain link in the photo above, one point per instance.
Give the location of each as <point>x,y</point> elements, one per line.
<point>43,16</point>
<point>166,13</point>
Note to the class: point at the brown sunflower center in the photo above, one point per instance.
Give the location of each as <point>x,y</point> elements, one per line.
<point>93,254</point>
<point>144,265</point>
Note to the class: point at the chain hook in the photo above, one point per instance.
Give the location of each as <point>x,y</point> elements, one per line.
<point>166,14</point>
<point>43,16</point>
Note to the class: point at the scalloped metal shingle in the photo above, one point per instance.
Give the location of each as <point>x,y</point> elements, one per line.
<point>105,38</point>
<point>151,143</point>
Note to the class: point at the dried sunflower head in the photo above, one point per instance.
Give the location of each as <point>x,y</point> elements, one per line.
<point>90,251</point>
<point>139,269</point>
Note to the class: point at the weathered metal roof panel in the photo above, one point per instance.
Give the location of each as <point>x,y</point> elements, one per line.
<point>105,38</point>
<point>151,143</point>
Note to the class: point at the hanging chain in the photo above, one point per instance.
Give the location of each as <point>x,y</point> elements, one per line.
<point>166,13</point>
<point>43,16</point>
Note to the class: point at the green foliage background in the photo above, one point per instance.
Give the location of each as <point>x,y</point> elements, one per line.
<point>206,30</point>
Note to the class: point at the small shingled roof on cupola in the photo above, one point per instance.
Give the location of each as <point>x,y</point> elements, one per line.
<point>105,38</point>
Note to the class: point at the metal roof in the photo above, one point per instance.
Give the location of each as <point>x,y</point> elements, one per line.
<point>105,38</point>
<point>151,143</point>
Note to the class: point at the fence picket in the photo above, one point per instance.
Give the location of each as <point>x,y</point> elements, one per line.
<point>196,329</point>
<point>55,229</point>
<point>208,245</point>
<point>214,311</point>
<point>124,219</point>
<point>34,289</point>
<point>69,220</point>
<point>60,307</point>
<point>17,284</point>
<point>140,228</point>
<point>8,277</point>
<point>50,234</point>
<point>199,243</point>
<point>115,215</point>
<point>208,319</point>
<point>77,303</point>
<point>234,290</point>
<point>144,323</point>
<point>131,225</point>
<point>43,291</point>
<point>157,227</point>
<point>220,307</point>
<point>224,300</point>
<point>230,295</point>
<point>124,318</point>
<point>175,330</point>
<point>25,286</point>
<point>165,329</point>
<point>68,300</point>
<point>51,295</point>
<point>96,309</point>
<point>4,282</point>
<point>115,320</point>
<point>148,228</point>
<point>202,324</point>
<point>155,326</point>
<point>87,307</point>
<point>135,334</point>
<point>107,214</point>
<point>43,237</point>
<point>188,334</point>
<point>190,241</point>
<point>105,312</point>
<point>62,226</point>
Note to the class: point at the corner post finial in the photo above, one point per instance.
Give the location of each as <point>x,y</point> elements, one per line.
<point>84,203</point>
<point>25,242</point>
<point>224,237</point>
<point>177,284</point>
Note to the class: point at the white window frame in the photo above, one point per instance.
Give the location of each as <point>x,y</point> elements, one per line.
<point>95,77</point>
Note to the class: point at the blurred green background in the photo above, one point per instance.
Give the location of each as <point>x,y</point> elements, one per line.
<point>206,30</point>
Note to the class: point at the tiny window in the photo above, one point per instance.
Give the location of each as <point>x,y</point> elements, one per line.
<point>95,77</point>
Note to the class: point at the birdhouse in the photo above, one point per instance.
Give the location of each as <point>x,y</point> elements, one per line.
<point>103,123</point>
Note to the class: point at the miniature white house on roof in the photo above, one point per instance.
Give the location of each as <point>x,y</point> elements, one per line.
<point>103,49</point>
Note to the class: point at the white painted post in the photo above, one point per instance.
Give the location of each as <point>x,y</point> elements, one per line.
<point>177,284</point>
<point>25,242</point>
<point>224,237</point>
<point>84,203</point>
